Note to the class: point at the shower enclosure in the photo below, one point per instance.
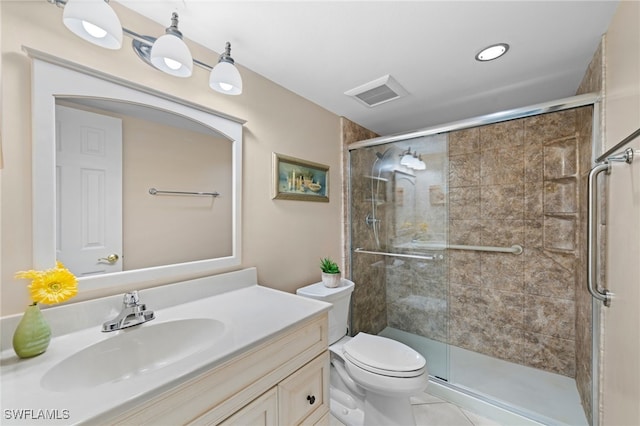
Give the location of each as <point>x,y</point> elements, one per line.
<point>467,243</point>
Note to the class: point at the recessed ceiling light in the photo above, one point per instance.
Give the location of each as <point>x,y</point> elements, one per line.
<point>492,52</point>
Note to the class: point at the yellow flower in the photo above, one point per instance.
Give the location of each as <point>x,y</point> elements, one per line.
<point>51,286</point>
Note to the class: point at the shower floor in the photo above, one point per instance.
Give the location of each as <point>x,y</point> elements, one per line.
<point>545,397</point>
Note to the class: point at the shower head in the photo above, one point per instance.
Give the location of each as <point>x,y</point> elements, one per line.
<point>383,162</point>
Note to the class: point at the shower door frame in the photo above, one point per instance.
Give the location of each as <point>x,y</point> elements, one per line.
<point>588,99</point>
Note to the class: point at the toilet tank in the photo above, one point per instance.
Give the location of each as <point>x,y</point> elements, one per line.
<point>339,297</point>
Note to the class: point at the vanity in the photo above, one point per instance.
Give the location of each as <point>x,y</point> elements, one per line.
<point>221,350</point>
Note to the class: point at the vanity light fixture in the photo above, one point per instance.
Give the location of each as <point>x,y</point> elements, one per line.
<point>224,77</point>
<point>412,161</point>
<point>169,52</point>
<point>419,164</point>
<point>407,158</point>
<point>95,21</point>
<point>492,52</point>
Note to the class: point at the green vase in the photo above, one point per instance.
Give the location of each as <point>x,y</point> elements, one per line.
<point>33,334</point>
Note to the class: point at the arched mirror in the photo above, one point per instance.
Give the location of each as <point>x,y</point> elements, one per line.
<point>130,185</point>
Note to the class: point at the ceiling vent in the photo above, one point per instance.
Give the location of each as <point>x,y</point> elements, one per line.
<point>378,91</point>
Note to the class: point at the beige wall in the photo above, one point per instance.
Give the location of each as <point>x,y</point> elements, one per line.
<point>163,230</point>
<point>621,366</point>
<point>283,239</point>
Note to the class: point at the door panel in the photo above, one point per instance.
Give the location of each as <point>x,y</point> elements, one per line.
<point>89,185</point>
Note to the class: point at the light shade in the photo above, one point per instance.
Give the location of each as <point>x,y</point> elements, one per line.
<point>419,164</point>
<point>225,78</point>
<point>94,21</point>
<point>407,159</point>
<point>171,55</point>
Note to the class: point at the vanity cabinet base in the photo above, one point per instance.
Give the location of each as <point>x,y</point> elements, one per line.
<point>300,399</point>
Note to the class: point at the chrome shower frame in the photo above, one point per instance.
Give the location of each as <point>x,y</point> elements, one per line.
<point>588,99</point>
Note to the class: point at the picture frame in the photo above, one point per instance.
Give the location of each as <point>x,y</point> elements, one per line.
<point>301,180</point>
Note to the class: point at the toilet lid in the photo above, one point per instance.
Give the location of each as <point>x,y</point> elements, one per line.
<point>383,356</point>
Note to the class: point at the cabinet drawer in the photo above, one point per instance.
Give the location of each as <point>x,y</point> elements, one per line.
<point>263,411</point>
<point>303,397</point>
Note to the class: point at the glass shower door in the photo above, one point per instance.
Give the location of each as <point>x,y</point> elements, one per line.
<point>399,232</point>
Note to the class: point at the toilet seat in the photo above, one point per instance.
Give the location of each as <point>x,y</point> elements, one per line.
<point>383,356</point>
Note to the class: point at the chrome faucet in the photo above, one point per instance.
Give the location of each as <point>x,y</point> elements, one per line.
<point>133,313</point>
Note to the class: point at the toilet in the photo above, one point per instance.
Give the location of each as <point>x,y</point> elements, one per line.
<point>372,377</point>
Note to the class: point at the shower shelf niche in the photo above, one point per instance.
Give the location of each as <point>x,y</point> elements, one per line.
<point>560,233</point>
<point>560,184</point>
<point>560,195</point>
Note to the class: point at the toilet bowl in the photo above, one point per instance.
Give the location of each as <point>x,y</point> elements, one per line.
<point>385,366</point>
<point>371,377</point>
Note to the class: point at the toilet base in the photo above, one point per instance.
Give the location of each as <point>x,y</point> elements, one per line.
<point>378,410</point>
<point>382,410</point>
<point>343,408</point>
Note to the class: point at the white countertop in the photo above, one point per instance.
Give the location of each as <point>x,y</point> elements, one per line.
<point>251,314</point>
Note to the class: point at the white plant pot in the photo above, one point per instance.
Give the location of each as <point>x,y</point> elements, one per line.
<point>330,280</point>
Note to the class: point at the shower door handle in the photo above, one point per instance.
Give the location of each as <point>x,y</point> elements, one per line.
<point>605,295</point>
<point>623,157</point>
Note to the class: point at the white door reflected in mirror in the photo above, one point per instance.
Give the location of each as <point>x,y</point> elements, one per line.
<point>89,187</point>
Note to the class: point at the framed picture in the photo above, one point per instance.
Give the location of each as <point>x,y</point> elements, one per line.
<point>295,179</point>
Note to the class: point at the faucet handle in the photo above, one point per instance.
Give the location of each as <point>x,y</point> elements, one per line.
<point>131,299</point>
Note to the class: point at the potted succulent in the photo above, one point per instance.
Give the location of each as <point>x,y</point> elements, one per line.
<point>330,272</point>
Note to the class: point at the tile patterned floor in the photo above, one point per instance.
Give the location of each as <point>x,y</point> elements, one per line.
<point>429,410</point>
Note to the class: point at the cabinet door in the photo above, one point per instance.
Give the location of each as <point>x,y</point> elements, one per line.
<point>324,421</point>
<point>303,397</point>
<point>262,411</point>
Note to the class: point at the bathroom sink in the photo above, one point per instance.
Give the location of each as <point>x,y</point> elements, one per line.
<point>132,352</point>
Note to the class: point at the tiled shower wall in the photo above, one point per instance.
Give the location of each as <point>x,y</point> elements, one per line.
<point>515,182</point>
<point>368,302</point>
<point>510,183</point>
<point>592,82</point>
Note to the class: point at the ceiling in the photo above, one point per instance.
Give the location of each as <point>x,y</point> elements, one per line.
<point>321,49</point>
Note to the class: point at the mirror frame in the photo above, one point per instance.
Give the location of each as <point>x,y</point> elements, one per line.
<point>53,77</point>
